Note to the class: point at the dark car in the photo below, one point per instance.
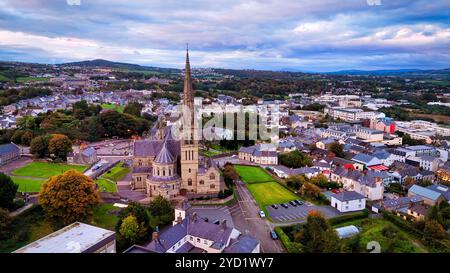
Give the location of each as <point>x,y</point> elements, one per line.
<point>285,205</point>
<point>273,235</point>
<point>275,206</point>
<point>293,203</point>
<point>299,202</point>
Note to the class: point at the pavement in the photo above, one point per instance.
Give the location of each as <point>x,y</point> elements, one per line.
<point>298,214</point>
<point>246,219</point>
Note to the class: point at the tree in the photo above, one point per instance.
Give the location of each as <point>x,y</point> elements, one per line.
<point>337,149</point>
<point>311,190</point>
<point>8,190</point>
<point>295,159</point>
<point>133,108</point>
<point>296,181</point>
<point>409,182</point>
<point>68,197</point>
<point>160,207</point>
<point>317,235</point>
<point>17,136</point>
<point>39,146</point>
<point>26,122</point>
<point>138,211</point>
<point>118,124</point>
<point>60,145</point>
<point>5,221</point>
<point>230,174</point>
<point>130,229</point>
<point>433,231</point>
<point>26,138</point>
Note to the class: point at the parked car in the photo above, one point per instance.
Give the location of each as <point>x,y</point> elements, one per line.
<point>299,202</point>
<point>293,203</point>
<point>262,214</point>
<point>273,235</point>
<point>275,206</point>
<point>285,205</point>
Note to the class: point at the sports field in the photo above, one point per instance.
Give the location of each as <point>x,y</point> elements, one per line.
<point>269,193</point>
<point>252,174</point>
<point>45,169</point>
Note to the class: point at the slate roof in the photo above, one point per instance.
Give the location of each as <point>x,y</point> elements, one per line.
<point>164,156</point>
<point>424,192</point>
<point>363,158</point>
<point>348,196</point>
<point>244,244</point>
<point>151,148</point>
<point>9,148</point>
<point>444,190</point>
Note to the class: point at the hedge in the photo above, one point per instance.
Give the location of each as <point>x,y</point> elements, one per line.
<point>348,217</point>
<point>291,247</point>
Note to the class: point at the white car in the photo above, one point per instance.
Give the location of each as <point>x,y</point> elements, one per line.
<point>262,214</point>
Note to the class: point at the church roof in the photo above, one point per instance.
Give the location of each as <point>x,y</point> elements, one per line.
<point>164,156</point>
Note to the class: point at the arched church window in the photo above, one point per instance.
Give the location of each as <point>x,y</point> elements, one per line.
<point>140,162</point>
<point>202,182</point>
<point>189,182</point>
<point>164,172</point>
<point>158,171</point>
<point>189,170</point>
<point>212,186</point>
<point>212,176</point>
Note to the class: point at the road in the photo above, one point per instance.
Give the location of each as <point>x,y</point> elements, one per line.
<point>246,219</point>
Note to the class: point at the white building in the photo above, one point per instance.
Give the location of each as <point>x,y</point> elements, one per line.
<point>74,238</point>
<point>348,201</point>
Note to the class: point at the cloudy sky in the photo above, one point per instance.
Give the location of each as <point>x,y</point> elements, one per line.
<point>304,35</point>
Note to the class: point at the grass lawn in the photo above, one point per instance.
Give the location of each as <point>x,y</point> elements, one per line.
<point>209,153</point>
<point>3,78</point>
<point>116,173</point>
<point>31,79</point>
<point>118,108</point>
<point>106,185</point>
<point>28,185</point>
<point>269,193</point>
<point>371,230</point>
<point>250,174</point>
<point>45,170</point>
<point>105,216</point>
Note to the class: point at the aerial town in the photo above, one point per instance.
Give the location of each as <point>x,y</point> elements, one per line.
<point>109,155</point>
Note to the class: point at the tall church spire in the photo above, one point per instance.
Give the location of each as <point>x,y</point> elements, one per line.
<point>188,93</point>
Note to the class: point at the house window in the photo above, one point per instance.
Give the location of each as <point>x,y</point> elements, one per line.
<point>191,238</point>
<point>206,242</point>
<point>189,182</point>
<point>189,170</point>
<point>212,176</point>
<point>198,240</point>
<point>202,182</point>
<point>212,186</point>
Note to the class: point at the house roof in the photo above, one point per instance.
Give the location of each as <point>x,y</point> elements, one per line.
<point>348,196</point>
<point>244,244</point>
<point>9,148</point>
<point>424,192</point>
<point>365,159</point>
<point>444,190</point>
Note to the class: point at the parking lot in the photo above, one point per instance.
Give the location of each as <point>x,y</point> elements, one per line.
<point>300,212</point>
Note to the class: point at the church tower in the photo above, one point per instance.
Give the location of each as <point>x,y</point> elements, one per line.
<point>189,141</point>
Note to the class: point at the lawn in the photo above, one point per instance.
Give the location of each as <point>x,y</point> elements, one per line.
<point>250,174</point>
<point>269,193</point>
<point>31,79</point>
<point>45,170</point>
<point>118,108</point>
<point>105,216</point>
<point>105,185</point>
<point>116,173</point>
<point>27,184</point>
<point>3,78</point>
<point>372,230</point>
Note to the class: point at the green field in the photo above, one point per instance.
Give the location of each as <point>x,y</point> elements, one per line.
<point>105,217</point>
<point>118,108</point>
<point>3,78</point>
<point>250,174</point>
<point>116,173</point>
<point>31,79</point>
<point>372,230</point>
<point>28,185</point>
<point>45,170</point>
<point>105,185</point>
<point>269,193</point>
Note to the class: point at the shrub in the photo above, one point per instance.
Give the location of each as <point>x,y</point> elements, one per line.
<point>291,247</point>
<point>348,217</point>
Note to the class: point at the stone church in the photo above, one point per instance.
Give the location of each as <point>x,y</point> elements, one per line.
<point>170,168</point>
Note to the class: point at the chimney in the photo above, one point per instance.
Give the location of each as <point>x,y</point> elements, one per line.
<point>154,235</point>
<point>194,216</point>
<point>224,224</point>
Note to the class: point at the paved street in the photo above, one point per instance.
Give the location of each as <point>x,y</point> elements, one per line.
<point>246,219</point>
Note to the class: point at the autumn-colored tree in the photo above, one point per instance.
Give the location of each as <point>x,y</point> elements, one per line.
<point>409,182</point>
<point>296,181</point>
<point>26,138</point>
<point>39,146</point>
<point>310,190</point>
<point>433,231</point>
<point>68,197</point>
<point>60,145</point>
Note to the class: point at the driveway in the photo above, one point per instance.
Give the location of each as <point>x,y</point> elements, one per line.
<point>246,219</point>
<point>299,213</point>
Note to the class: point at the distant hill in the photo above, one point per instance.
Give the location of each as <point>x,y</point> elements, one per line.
<point>118,65</point>
<point>395,72</point>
